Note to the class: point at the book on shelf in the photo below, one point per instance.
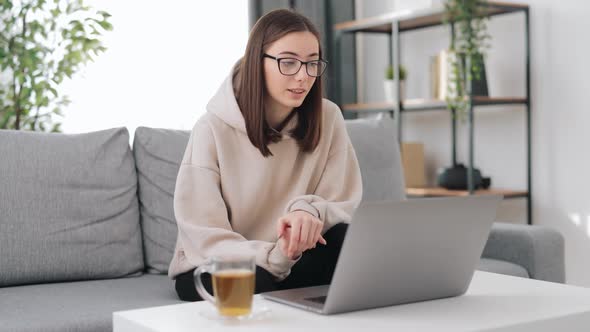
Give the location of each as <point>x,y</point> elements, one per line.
<point>440,71</point>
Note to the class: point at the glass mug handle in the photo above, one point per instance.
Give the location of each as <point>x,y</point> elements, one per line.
<point>199,283</point>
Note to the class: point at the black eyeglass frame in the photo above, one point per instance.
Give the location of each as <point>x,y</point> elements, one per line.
<point>301,63</point>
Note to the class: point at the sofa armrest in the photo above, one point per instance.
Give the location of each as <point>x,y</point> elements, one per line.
<point>539,249</point>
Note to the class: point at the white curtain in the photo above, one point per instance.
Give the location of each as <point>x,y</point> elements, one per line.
<point>165,60</point>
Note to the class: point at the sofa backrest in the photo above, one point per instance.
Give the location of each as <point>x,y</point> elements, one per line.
<point>68,207</point>
<point>158,153</point>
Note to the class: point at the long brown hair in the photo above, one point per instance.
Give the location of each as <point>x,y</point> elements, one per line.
<point>251,92</point>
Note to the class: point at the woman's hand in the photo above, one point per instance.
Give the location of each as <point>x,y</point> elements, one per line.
<point>299,231</point>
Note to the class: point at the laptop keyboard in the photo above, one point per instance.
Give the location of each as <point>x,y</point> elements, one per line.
<point>319,299</point>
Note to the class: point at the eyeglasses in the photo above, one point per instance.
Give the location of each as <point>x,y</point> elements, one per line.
<point>291,66</point>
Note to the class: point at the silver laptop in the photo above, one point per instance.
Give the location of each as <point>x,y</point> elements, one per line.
<point>402,252</point>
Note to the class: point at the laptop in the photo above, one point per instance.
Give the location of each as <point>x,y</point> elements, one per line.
<point>402,252</point>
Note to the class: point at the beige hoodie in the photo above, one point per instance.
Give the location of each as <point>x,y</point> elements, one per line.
<point>228,197</point>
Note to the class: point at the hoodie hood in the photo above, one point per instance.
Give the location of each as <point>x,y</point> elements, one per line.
<point>225,106</point>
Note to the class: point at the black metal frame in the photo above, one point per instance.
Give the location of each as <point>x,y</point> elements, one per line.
<point>398,108</point>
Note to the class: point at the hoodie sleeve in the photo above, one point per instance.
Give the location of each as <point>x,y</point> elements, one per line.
<point>339,190</point>
<point>201,213</point>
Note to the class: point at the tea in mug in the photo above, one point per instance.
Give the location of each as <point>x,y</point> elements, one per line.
<point>233,290</point>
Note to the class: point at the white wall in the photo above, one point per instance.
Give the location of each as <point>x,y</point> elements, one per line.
<point>560,115</point>
<point>164,62</point>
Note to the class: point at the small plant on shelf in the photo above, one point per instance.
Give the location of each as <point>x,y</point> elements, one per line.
<point>389,83</point>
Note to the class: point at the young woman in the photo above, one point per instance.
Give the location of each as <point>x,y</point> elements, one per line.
<point>269,170</point>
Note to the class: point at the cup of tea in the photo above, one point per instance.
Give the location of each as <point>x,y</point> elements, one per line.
<point>233,280</point>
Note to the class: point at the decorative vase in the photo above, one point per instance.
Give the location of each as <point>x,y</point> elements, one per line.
<point>455,178</point>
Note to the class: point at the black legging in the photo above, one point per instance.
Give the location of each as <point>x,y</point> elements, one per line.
<point>315,267</point>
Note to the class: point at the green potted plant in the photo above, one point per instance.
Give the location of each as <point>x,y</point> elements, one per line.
<point>41,43</point>
<point>468,46</point>
<point>465,63</point>
<point>389,83</point>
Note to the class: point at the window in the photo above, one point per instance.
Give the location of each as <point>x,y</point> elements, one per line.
<point>165,60</point>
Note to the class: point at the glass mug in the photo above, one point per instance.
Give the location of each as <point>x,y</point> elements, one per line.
<point>233,280</point>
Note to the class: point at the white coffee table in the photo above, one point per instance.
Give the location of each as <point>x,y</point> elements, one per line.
<point>493,302</point>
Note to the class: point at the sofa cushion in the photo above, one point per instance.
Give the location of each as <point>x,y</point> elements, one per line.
<point>502,267</point>
<point>80,306</point>
<point>68,207</point>
<point>158,153</point>
<point>377,149</point>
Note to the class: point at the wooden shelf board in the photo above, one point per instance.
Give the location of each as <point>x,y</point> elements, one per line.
<point>484,100</point>
<point>442,192</point>
<point>425,104</point>
<point>415,19</point>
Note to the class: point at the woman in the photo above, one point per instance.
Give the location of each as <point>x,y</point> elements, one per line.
<point>269,170</point>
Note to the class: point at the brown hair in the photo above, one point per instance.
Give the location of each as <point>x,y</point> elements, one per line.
<point>251,92</point>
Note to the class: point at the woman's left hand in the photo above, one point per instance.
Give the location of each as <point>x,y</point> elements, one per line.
<point>301,230</point>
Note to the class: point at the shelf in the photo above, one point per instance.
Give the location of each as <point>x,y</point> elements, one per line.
<point>419,18</point>
<point>392,24</point>
<point>426,105</point>
<point>442,192</point>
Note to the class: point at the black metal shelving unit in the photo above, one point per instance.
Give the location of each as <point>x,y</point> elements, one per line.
<point>393,24</point>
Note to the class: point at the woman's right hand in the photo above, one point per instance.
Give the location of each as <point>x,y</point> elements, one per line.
<point>299,231</point>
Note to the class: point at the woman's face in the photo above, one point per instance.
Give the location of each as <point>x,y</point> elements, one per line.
<point>288,92</point>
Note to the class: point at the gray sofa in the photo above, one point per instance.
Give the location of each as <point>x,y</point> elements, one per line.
<point>87,224</point>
